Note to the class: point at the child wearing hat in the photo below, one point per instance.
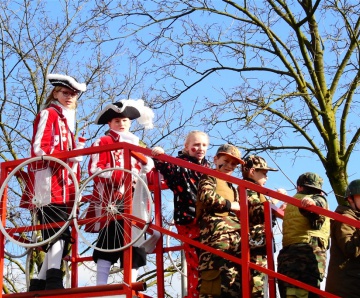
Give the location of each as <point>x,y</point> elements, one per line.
<point>216,207</point>
<point>53,132</point>
<point>344,265</point>
<point>305,239</point>
<point>255,170</point>
<point>118,117</point>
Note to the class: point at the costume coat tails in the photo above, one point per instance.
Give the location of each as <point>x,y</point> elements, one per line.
<point>110,159</point>
<point>48,184</point>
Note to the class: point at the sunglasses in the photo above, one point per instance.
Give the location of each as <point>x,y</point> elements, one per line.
<point>69,93</point>
<point>262,171</point>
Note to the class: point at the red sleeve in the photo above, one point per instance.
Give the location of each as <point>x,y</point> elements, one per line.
<point>45,133</point>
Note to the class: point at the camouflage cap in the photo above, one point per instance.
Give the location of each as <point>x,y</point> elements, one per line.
<point>230,150</point>
<point>312,180</point>
<point>257,162</point>
<point>353,188</point>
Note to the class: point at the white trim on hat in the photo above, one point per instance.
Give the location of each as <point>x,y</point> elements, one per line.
<point>146,114</point>
<point>67,81</point>
<point>106,115</point>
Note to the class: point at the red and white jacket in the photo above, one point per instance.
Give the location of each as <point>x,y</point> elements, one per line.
<point>49,183</point>
<point>115,158</point>
<point>109,159</point>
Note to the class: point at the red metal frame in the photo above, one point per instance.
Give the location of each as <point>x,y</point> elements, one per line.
<point>156,185</point>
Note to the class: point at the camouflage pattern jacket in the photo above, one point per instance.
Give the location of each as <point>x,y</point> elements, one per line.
<point>216,203</point>
<point>256,221</point>
<point>219,227</point>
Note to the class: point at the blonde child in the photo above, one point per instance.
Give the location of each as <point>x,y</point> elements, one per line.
<point>53,133</point>
<point>184,184</point>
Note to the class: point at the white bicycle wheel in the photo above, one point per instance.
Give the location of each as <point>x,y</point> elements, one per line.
<point>175,256</point>
<point>14,251</point>
<point>104,219</point>
<point>22,208</point>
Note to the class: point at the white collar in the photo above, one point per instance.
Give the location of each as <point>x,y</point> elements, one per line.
<point>69,114</point>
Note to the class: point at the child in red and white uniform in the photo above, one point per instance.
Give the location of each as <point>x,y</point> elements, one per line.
<point>53,133</point>
<point>118,116</point>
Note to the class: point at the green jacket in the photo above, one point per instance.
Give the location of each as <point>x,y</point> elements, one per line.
<point>300,225</point>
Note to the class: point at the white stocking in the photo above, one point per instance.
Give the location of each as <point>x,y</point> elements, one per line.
<point>44,268</point>
<point>134,275</point>
<point>103,270</point>
<point>55,254</point>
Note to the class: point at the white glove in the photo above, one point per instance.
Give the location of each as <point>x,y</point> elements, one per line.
<point>80,145</point>
<point>235,206</point>
<point>148,167</point>
<point>76,159</point>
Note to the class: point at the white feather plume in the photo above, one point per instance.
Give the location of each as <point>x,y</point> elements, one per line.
<point>146,114</point>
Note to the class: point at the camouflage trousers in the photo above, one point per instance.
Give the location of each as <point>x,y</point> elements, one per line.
<point>303,262</point>
<point>258,278</point>
<point>219,277</point>
<point>222,283</point>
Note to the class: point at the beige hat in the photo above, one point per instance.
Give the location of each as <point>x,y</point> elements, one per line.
<point>230,150</point>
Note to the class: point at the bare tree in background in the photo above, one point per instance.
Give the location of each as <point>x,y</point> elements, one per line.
<point>67,37</point>
<point>283,75</point>
<point>290,70</point>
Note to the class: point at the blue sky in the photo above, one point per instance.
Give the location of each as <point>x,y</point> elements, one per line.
<point>211,88</point>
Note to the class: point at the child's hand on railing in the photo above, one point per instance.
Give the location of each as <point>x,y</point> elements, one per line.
<point>157,151</point>
<point>80,145</point>
<point>275,201</point>
<point>235,206</point>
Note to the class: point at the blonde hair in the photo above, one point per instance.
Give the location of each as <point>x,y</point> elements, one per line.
<point>191,134</point>
<point>51,97</point>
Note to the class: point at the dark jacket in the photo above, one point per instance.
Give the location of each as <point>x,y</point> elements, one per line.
<point>344,267</point>
<point>184,184</point>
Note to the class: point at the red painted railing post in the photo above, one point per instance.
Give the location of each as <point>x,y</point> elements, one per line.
<point>160,245</point>
<point>127,227</point>
<point>245,250</point>
<point>269,247</point>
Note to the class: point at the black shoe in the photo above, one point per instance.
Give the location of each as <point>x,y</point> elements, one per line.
<point>54,279</point>
<point>37,285</point>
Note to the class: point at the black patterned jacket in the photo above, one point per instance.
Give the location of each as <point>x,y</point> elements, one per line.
<point>184,184</point>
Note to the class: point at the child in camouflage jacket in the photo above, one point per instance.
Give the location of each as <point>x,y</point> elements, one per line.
<point>217,202</point>
<point>305,239</point>
<point>255,170</point>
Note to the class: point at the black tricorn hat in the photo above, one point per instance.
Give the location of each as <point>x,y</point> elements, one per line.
<point>117,110</point>
<point>66,81</point>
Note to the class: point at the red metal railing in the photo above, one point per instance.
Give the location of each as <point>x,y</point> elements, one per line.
<point>156,185</point>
